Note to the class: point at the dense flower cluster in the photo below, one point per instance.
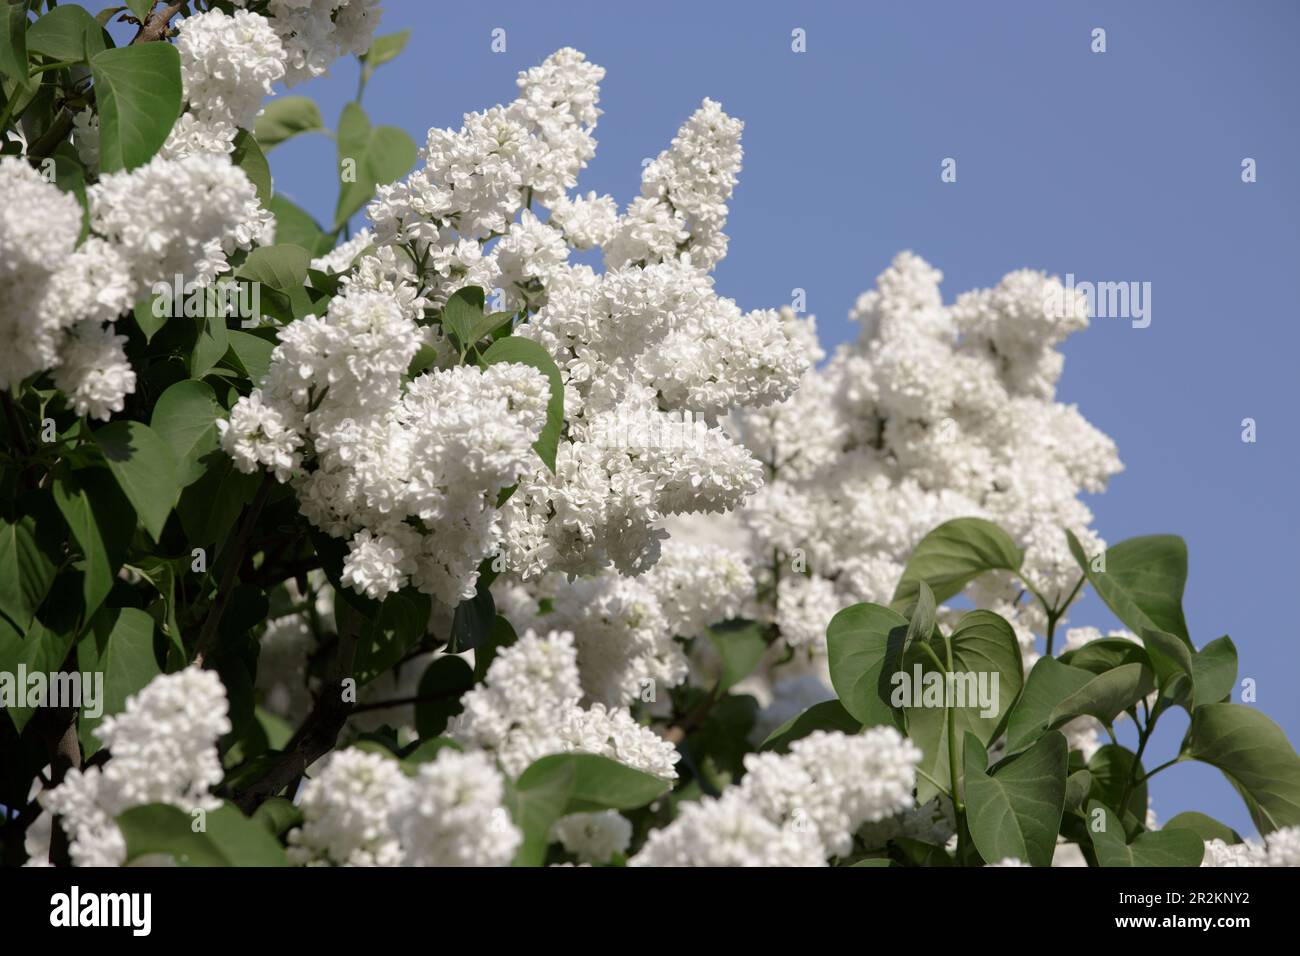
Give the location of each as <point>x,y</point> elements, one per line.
<point>649,354</point>
<point>625,627</point>
<point>164,750</point>
<point>409,475</point>
<point>529,705</point>
<point>363,810</point>
<point>60,298</point>
<point>936,412</point>
<point>796,809</point>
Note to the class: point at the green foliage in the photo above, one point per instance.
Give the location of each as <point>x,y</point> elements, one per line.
<point>138,92</point>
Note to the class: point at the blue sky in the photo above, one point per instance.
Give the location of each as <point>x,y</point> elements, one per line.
<point>1121,166</point>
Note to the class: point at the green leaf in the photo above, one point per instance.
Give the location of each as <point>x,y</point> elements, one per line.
<point>1049,682</point>
<point>209,508</point>
<point>280,267</point>
<point>13,45</point>
<point>120,647</point>
<point>1105,696</point>
<point>390,155</point>
<point>66,33</point>
<point>376,156</point>
<point>983,645</point>
<point>146,317</point>
<point>138,91</point>
<point>140,8</point>
<point>402,621</point>
<point>1254,754</point>
<point>145,470</point>
<point>528,352</point>
<point>473,619</point>
<point>1016,811</point>
<point>248,156</point>
<point>253,354</point>
<point>741,646</point>
<point>501,635</point>
<point>920,622</point>
<point>1214,671</point>
<point>447,679</point>
<point>102,522</point>
<point>952,555</point>
<point>828,715</point>
<point>285,117</point>
<point>210,344</point>
<point>1111,769</point>
<point>864,649</point>
<point>598,783</point>
<point>535,805</point>
<point>1207,828</point>
<point>1097,657</point>
<point>1142,582</point>
<point>1172,661</point>
<point>1155,848</point>
<point>1077,787</point>
<point>229,838</point>
<point>186,418</point>
<point>384,49</point>
<point>294,226</point>
<point>461,314</point>
<point>277,816</point>
<point>28,562</point>
<point>46,644</point>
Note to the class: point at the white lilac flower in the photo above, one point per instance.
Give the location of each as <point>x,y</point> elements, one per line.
<point>93,371</point>
<point>346,812</point>
<point>453,815</point>
<point>228,64</point>
<point>528,707</point>
<point>594,837</point>
<point>164,750</point>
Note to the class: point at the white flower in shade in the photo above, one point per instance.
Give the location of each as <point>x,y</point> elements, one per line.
<point>1284,846</point>
<point>829,784</point>
<point>594,837</point>
<point>527,707</point>
<point>256,435</point>
<point>376,565</point>
<point>39,226</point>
<point>729,831</point>
<point>346,812</point>
<point>453,814</point>
<point>94,372</point>
<point>1221,854</point>
<point>1008,861</point>
<point>164,750</point>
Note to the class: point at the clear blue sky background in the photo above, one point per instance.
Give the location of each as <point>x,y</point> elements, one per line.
<point>1116,166</point>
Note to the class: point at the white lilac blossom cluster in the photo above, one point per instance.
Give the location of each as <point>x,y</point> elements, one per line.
<point>363,810</point>
<point>408,473</point>
<point>936,412</point>
<point>1280,848</point>
<point>529,705</point>
<point>796,809</point>
<point>60,293</point>
<point>649,354</point>
<point>315,33</point>
<point>625,627</point>
<point>164,750</point>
